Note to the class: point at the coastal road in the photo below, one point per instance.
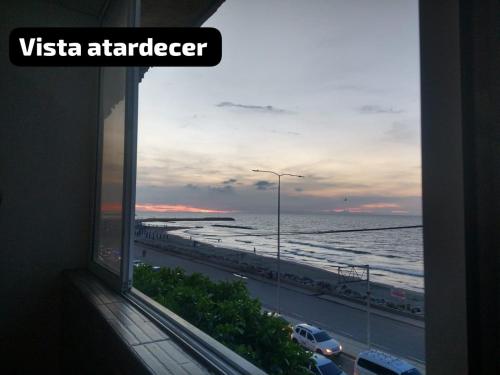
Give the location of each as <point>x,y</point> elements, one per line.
<point>389,334</point>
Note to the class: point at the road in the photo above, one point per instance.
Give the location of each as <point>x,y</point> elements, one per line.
<point>388,334</point>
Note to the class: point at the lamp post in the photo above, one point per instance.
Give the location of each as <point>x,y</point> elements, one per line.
<point>368,307</point>
<point>278,276</point>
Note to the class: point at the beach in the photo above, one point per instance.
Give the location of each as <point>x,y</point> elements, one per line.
<point>349,284</point>
<point>395,256</point>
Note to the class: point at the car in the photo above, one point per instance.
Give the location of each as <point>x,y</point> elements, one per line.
<point>137,262</point>
<point>274,314</point>
<point>315,340</point>
<point>320,365</point>
<point>375,362</point>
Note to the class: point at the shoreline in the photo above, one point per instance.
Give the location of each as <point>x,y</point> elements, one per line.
<point>347,286</point>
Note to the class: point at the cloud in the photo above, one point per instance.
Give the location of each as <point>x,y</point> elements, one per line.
<point>370,208</point>
<point>247,198</point>
<point>222,189</point>
<point>154,207</point>
<point>264,185</point>
<point>260,108</point>
<point>226,188</point>
<point>375,109</point>
<point>380,205</point>
<point>192,187</point>
<point>230,181</point>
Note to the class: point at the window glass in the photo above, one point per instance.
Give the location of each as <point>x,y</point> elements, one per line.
<point>285,181</point>
<point>366,364</point>
<point>322,336</point>
<point>330,369</point>
<point>310,337</point>
<point>375,368</point>
<point>109,242</point>
<point>411,372</point>
<point>303,333</point>
<point>108,227</point>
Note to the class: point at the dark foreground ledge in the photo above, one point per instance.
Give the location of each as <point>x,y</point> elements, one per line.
<point>104,333</point>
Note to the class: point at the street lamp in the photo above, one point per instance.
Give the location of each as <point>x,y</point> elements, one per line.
<point>368,307</point>
<point>278,276</point>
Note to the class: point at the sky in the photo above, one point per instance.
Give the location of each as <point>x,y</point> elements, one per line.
<point>322,88</point>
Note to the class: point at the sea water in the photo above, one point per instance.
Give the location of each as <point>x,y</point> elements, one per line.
<point>395,257</point>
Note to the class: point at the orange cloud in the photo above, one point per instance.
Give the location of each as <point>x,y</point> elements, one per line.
<point>380,205</point>
<point>349,209</point>
<point>359,210</point>
<point>151,207</point>
<point>369,207</point>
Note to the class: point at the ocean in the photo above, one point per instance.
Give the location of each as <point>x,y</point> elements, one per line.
<point>395,256</point>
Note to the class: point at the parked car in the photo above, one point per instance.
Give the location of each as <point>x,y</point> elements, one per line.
<point>320,365</point>
<point>315,340</point>
<point>138,262</point>
<point>374,362</point>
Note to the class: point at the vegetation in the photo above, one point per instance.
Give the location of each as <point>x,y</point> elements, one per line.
<point>225,311</point>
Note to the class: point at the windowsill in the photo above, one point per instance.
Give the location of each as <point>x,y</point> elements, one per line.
<point>155,339</point>
<point>195,340</point>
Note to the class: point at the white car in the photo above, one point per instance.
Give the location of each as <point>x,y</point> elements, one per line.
<point>374,362</point>
<point>321,365</point>
<point>137,262</point>
<point>315,340</point>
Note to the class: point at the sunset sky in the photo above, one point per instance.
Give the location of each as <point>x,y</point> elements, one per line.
<point>327,89</point>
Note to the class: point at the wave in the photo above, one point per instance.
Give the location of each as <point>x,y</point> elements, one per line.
<point>391,256</point>
<point>393,259</point>
<point>307,256</point>
<point>342,249</point>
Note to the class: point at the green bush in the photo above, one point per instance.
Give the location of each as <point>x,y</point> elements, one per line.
<point>225,311</point>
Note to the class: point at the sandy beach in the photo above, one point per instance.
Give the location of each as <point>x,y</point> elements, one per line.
<point>346,285</point>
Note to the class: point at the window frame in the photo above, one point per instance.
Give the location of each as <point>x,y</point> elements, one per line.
<point>121,281</point>
<point>209,351</point>
<point>436,83</point>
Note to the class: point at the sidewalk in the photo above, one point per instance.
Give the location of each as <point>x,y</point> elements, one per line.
<point>375,310</point>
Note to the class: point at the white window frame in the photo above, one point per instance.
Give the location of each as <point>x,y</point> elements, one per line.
<point>122,281</point>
